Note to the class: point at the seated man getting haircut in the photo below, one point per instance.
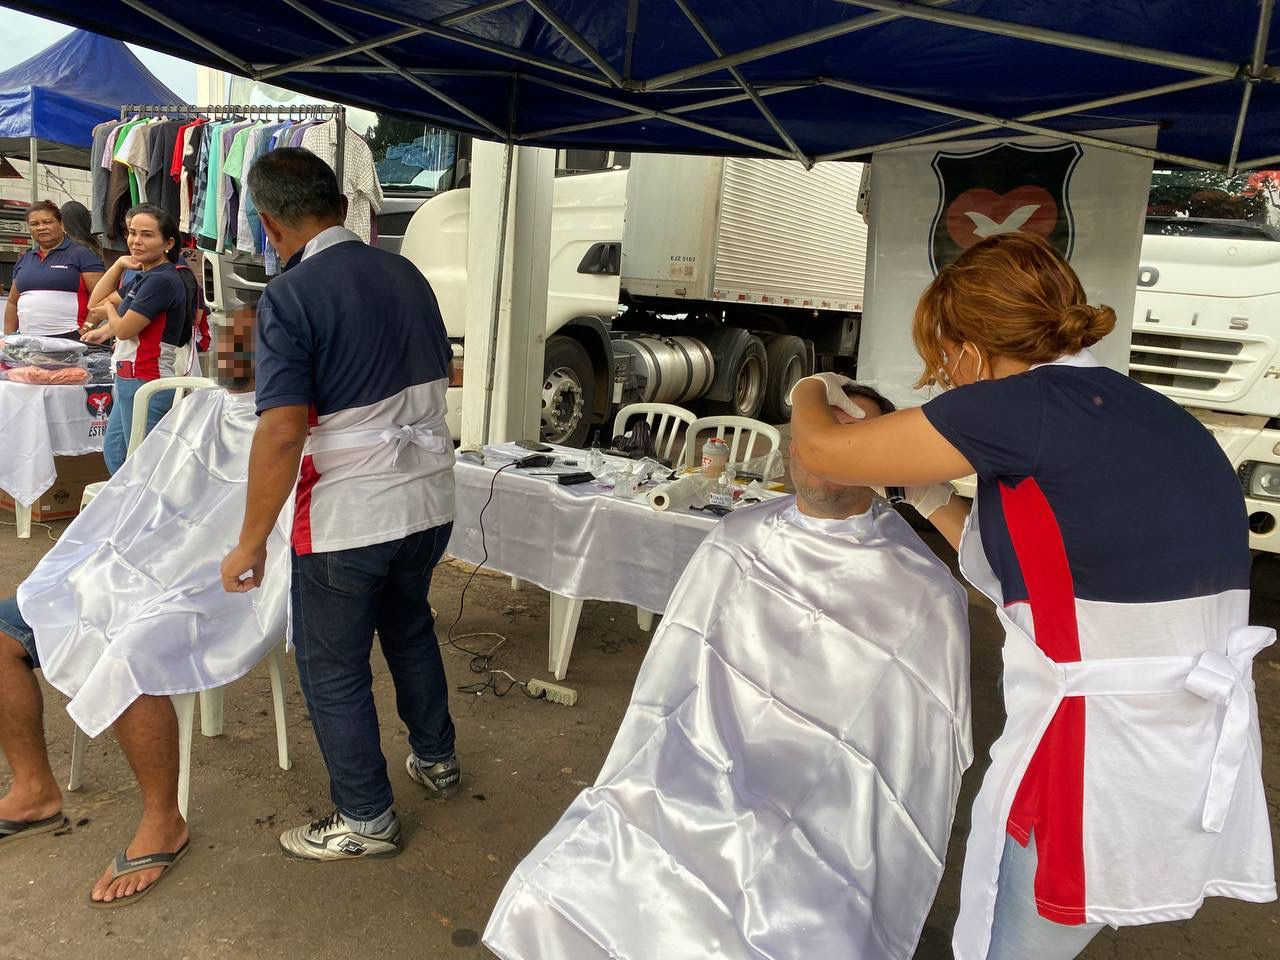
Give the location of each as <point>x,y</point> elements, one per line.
<point>128,607</point>
<point>785,776</point>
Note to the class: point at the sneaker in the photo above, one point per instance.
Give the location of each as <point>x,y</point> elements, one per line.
<point>329,838</point>
<point>440,779</point>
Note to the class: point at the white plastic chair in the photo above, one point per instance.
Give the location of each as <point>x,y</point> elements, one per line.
<point>670,419</point>
<point>744,434</point>
<point>181,386</point>
<point>184,704</point>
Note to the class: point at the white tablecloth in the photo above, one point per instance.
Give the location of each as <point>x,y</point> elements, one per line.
<point>574,540</point>
<point>38,423</point>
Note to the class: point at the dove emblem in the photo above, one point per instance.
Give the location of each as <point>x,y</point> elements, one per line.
<point>985,227</point>
<point>1006,188</point>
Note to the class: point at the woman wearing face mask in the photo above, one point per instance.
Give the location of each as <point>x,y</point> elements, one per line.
<point>150,317</point>
<point>1110,534</point>
<point>51,281</point>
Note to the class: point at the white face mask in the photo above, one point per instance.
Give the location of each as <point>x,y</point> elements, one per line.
<point>951,374</point>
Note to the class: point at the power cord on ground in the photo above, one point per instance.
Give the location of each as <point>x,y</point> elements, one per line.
<point>481,661</point>
<point>35,523</point>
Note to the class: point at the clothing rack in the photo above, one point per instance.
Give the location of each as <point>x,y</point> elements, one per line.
<point>253,111</point>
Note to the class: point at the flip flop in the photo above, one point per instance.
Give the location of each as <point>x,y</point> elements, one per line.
<point>11,830</point>
<point>124,865</point>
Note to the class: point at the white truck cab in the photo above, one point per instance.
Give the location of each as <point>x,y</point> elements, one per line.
<point>1206,333</point>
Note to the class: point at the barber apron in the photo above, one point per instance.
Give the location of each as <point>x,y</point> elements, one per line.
<point>1229,796</point>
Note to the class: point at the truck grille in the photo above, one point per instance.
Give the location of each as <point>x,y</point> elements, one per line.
<point>1209,367</point>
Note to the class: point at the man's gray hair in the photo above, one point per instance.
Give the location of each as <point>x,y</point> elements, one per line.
<point>293,185</point>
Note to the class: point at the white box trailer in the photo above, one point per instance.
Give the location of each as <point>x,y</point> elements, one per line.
<point>747,231</point>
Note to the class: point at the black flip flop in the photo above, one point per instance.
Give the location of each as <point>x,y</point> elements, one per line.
<point>11,830</point>
<point>124,865</point>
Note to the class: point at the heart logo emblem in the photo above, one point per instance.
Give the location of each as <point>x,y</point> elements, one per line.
<point>978,214</point>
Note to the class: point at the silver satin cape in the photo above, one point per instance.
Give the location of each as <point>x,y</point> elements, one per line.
<point>785,776</point>
<point>130,600</point>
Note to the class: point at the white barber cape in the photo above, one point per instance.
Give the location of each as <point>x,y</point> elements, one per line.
<point>785,777</point>
<point>130,600</point>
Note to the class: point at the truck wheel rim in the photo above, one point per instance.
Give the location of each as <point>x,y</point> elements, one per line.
<point>746,394</point>
<point>561,405</point>
<point>794,373</point>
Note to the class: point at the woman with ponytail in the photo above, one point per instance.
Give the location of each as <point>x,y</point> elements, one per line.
<point>1110,534</point>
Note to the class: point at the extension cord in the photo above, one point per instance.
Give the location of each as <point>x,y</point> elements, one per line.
<point>553,692</point>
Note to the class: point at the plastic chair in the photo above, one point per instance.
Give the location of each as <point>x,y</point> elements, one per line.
<point>184,705</point>
<point>670,419</point>
<point>181,386</point>
<point>745,433</point>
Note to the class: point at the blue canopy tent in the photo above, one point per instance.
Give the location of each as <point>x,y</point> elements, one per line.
<point>808,79</point>
<point>50,103</point>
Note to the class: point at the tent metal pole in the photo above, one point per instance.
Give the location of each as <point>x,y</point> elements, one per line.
<point>1255,66</point>
<point>362,46</point>
<point>632,117</point>
<point>1259,162</point>
<point>952,133</point>
<point>662,115</point>
<point>495,316</point>
<point>633,20</point>
<point>470,40</point>
<point>241,65</point>
<point>1021,127</point>
<point>784,45</point>
<point>34,146</point>
<point>422,85</point>
<point>567,31</point>
<point>416,71</point>
<point>747,88</point>
<point>1057,38</point>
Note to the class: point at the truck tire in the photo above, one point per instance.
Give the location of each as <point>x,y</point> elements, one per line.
<point>788,361</point>
<point>749,378</point>
<point>568,388</point>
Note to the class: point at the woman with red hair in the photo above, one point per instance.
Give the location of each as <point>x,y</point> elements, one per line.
<point>1110,534</point>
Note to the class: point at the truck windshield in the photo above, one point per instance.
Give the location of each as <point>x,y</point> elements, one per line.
<point>412,156</point>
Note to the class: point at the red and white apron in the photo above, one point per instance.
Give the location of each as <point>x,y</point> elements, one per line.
<point>1155,838</point>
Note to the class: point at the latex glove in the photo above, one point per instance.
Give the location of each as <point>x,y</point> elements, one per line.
<point>927,500</point>
<point>834,383</point>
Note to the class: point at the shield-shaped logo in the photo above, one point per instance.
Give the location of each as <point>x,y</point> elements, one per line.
<point>98,401</point>
<point>1001,189</point>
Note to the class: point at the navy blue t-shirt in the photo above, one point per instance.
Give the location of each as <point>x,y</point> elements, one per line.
<point>1147,503</point>
<point>53,298</point>
<point>160,295</point>
<point>347,327</point>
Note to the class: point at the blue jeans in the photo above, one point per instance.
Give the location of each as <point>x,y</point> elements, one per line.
<point>1018,932</point>
<point>339,599</point>
<point>115,442</point>
<point>12,625</point>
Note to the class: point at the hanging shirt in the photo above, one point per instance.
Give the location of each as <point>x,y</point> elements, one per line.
<point>133,153</point>
<point>190,176</point>
<point>375,391</point>
<point>784,780</point>
<point>119,197</point>
<point>53,298</point>
<point>160,295</point>
<point>359,175</point>
<point>232,171</point>
<point>201,176</point>
<point>249,238</point>
<point>1113,529</point>
<point>160,188</point>
<point>100,176</point>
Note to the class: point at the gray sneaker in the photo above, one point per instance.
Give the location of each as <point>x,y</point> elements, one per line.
<point>440,779</point>
<point>329,838</point>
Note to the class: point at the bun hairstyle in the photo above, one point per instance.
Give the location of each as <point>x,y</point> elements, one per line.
<point>1012,295</point>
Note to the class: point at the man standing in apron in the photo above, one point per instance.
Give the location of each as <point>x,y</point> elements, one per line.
<point>352,362</point>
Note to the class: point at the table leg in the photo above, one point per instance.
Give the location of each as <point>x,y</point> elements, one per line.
<point>22,515</point>
<point>644,619</point>
<point>565,613</point>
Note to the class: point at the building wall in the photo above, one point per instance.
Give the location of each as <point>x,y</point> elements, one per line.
<point>58,184</point>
